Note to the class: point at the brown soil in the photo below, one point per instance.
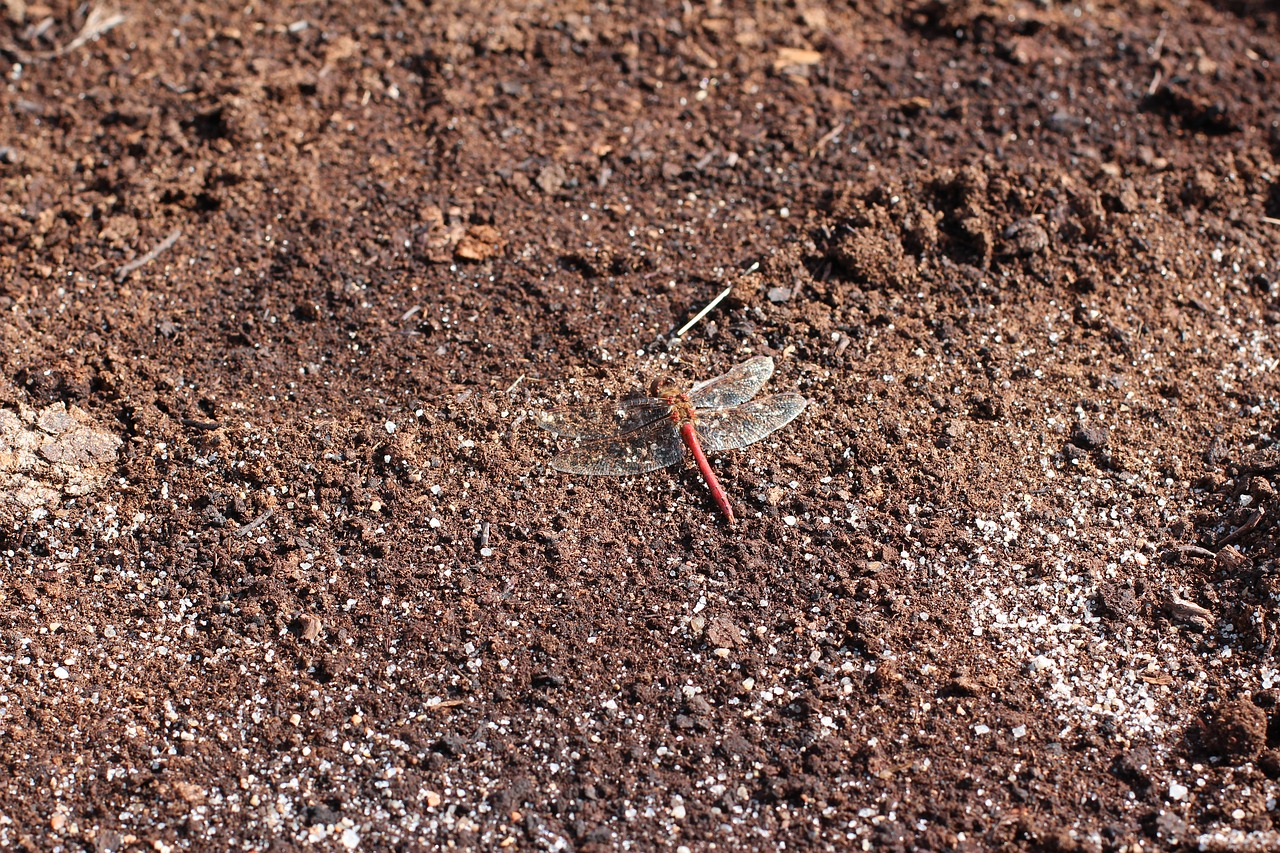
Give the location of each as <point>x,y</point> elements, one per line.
<point>284,561</point>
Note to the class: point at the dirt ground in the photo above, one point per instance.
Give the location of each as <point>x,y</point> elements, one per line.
<point>283,562</point>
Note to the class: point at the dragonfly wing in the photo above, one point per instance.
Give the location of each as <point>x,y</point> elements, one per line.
<point>602,420</point>
<point>645,449</point>
<point>728,429</point>
<point>737,386</point>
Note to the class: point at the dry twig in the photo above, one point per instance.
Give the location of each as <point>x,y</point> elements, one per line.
<point>826,138</point>
<point>713,303</point>
<point>1187,550</point>
<point>1250,523</point>
<point>126,270</point>
<point>98,21</point>
<point>1155,52</point>
<point>255,524</point>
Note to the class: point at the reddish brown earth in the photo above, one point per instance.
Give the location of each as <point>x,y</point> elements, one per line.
<point>284,563</point>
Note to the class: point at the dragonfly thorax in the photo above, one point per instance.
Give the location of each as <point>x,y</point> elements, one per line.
<point>682,410</point>
<point>671,393</point>
<point>667,390</point>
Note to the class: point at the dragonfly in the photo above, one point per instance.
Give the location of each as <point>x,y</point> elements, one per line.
<point>639,434</point>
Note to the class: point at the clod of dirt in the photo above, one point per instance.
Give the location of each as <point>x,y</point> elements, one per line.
<point>451,745</point>
<point>108,841</point>
<point>964,685</point>
<point>1200,190</point>
<point>986,407</point>
<point>1064,840</point>
<point>722,632</point>
<point>321,815</point>
<point>50,453</point>
<point>885,678</point>
<point>1269,763</point>
<point>1236,728</point>
<point>1260,489</point>
<point>1090,438</point>
<point>874,257</point>
<point>1123,198</point>
<point>1194,111</point>
<point>439,240</point>
<point>552,178</point>
<point>1135,766</point>
<point>1115,601</point>
<point>1025,237</point>
<point>1166,826</point>
<point>962,195</point>
<point>480,243</point>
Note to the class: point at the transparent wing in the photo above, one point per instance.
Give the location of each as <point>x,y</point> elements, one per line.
<point>645,449</point>
<point>728,429</point>
<point>602,420</point>
<point>737,386</point>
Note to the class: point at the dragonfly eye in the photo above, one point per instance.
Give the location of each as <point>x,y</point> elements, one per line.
<point>664,386</point>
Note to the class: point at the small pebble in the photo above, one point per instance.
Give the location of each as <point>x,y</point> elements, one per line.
<point>390,427</point>
<point>789,520</point>
<point>309,627</point>
<point>1177,791</point>
<point>62,673</point>
<point>350,839</point>
<point>486,552</point>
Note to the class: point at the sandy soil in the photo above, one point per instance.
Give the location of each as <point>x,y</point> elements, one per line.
<point>283,563</point>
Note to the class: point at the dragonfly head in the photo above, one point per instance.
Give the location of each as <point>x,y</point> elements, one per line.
<point>664,386</point>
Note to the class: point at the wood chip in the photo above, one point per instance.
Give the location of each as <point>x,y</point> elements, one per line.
<point>1188,612</point>
<point>789,57</point>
